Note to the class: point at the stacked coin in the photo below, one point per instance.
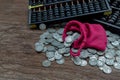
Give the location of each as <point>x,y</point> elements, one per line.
<point>55,49</point>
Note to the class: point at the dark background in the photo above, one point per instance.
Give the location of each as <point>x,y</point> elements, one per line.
<point>19,61</point>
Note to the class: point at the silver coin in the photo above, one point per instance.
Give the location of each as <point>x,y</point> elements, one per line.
<point>51,30</point>
<point>101,68</point>
<point>62,50</point>
<point>61,45</point>
<point>51,49</point>
<point>50,54</point>
<point>60,31</point>
<point>50,36</point>
<point>102,58</point>
<point>100,53</point>
<point>49,40</point>
<point>67,54</point>
<point>45,49</point>
<point>42,26</point>
<point>93,51</point>
<point>109,55</point>
<point>75,36</point>
<point>60,39</point>
<point>60,61</point>
<point>69,33</point>
<point>67,50</point>
<point>74,50</point>
<point>94,57</point>
<point>118,59</point>
<point>115,36</point>
<point>57,55</point>
<point>42,40</point>
<point>110,62</point>
<point>37,43</point>
<point>44,35</point>
<point>76,60</point>
<point>83,63</point>
<point>67,44</point>
<point>39,48</point>
<point>107,69</point>
<point>100,63</point>
<point>115,43</point>
<point>51,59</point>
<point>93,62</point>
<point>55,43</point>
<point>46,63</point>
<point>111,39</point>
<point>56,35</point>
<point>84,54</point>
<point>69,39</point>
<point>117,65</point>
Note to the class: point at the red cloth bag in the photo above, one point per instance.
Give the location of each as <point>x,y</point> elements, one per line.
<point>92,36</point>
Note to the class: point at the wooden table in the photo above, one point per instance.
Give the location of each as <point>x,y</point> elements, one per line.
<point>19,61</point>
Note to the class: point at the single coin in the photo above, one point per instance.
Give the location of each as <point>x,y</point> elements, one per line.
<point>118,59</point>
<point>61,45</point>
<point>83,63</point>
<point>69,33</point>
<point>115,43</point>
<point>55,35</point>
<point>49,40</point>
<point>111,39</point>
<point>94,57</point>
<point>69,39</point>
<point>50,54</point>
<point>117,65</point>
<point>46,63</point>
<point>75,36</point>
<point>60,31</point>
<point>67,54</point>
<point>110,62</point>
<point>60,61</point>
<point>55,43</point>
<point>37,43</point>
<point>84,54</point>
<point>57,55</point>
<point>93,62</point>
<point>62,50</point>
<point>102,58</point>
<point>110,46</point>
<point>100,63</point>
<point>51,48</point>
<point>67,44</point>
<point>100,53</point>
<point>109,55</point>
<point>93,51</point>
<point>39,47</point>
<point>42,26</point>
<point>60,39</point>
<point>42,40</point>
<point>51,59</point>
<point>74,50</point>
<point>76,60</point>
<point>45,49</point>
<point>107,69</point>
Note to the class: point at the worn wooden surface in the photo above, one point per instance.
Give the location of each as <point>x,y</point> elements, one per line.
<point>19,61</point>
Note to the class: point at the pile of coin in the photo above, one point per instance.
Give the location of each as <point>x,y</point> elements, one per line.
<point>55,49</point>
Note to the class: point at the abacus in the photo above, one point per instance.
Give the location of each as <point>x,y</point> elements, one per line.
<point>46,11</point>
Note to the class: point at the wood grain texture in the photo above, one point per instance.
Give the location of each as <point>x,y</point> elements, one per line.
<point>19,61</point>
